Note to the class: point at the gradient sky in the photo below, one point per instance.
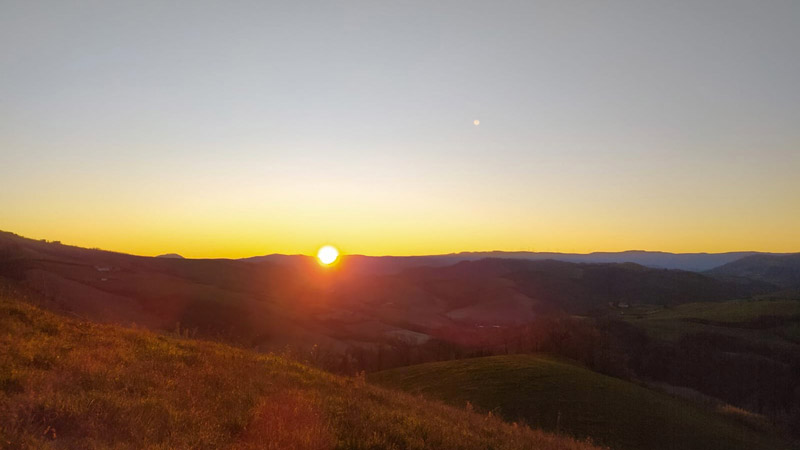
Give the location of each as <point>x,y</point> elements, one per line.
<point>237,128</point>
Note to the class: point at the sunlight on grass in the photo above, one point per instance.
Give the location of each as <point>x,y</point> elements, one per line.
<point>70,384</point>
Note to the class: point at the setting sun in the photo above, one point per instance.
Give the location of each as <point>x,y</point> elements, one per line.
<point>327,255</point>
<point>614,242</point>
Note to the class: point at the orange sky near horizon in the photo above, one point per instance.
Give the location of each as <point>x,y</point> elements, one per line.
<point>229,246</point>
<point>234,231</point>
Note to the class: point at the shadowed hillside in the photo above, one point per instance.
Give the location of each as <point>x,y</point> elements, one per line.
<point>270,305</point>
<point>744,352</point>
<point>72,384</point>
<point>557,395</point>
<point>581,288</point>
<point>780,270</point>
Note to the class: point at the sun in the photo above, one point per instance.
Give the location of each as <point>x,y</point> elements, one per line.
<point>327,255</point>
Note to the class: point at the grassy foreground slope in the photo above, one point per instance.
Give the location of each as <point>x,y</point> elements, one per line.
<point>552,394</point>
<point>70,384</point>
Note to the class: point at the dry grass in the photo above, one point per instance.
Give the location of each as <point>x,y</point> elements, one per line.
<point>70,384</point>
<point>749,418</point>
<point>291,420</point>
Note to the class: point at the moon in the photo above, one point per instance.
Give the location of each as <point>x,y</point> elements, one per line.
<point>476,122</point>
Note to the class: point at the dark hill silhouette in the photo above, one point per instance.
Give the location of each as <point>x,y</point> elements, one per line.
<point>170,255</point>
<point>274,304</point>
<point>580,288</point>
<point>781,270</point>
<point>696,262</point>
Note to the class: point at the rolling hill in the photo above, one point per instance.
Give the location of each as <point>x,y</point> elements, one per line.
<point>66,383</point>
<point>346,318</point>
<point>696,262</point>
<point>745,352</point>
<point>769,321</point>
<point>269,305</point>
<point>780,270</point>
<point>559,396</point>
<point>582,288</point>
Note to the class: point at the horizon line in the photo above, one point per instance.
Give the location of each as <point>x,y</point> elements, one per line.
<point>463,252</point>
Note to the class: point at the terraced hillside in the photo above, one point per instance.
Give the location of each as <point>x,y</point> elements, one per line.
<point>69,384</point>
<point>559,396</point>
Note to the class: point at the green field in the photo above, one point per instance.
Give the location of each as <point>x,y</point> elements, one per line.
<point>734,318</point>
<point>66,384</point>
<point>731,312</point>
<point>559,396</point>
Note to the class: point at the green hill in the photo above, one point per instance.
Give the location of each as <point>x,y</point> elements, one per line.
<point>556,395</point>
<point>724,312</point>
<point>71,384</point>
<point>745,352</point>
<point>769,321</point>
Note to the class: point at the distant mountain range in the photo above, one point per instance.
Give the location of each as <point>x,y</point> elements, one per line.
<point>694,262</point>
<point>280,299</point>
<point>780,270</point>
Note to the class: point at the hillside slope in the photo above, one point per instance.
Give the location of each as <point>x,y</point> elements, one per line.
<point>73,384</point>
<point>557,395</point>
<point>780,270</point>
<point>746,353</point>
<point>769,321</point>
<point>582,288</point>
<point>340,309</point>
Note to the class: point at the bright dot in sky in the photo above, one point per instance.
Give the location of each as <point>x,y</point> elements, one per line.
<point>327,254</point>
<point>476,122</point>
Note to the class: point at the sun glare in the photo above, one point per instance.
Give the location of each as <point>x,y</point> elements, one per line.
<point>327,255</point>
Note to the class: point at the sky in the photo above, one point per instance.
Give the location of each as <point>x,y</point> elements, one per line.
<point>240,128</point>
